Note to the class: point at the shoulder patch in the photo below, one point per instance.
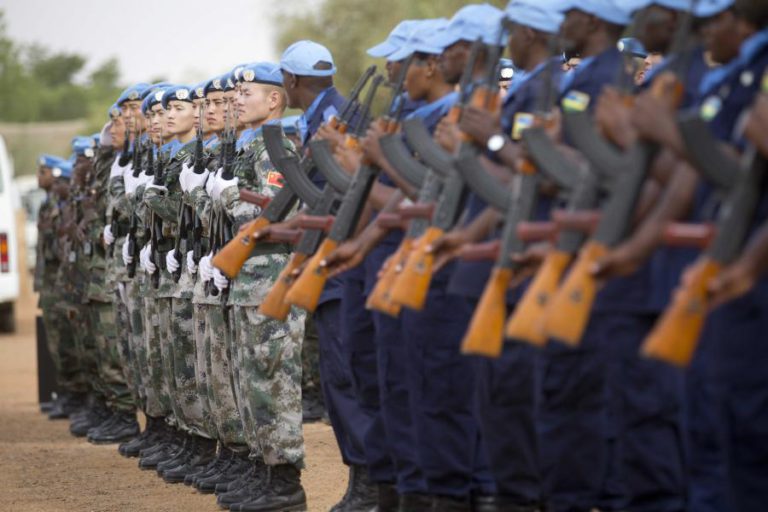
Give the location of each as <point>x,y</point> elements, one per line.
<point>710,108</point>
<point>275,179</point>
<point>576,101</point>
<point>522,121</point>
<point>764,83</point>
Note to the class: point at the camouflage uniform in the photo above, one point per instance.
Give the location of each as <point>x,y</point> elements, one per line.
<point>213,337</point>
<point>174,303</point>
<point>266,352</point>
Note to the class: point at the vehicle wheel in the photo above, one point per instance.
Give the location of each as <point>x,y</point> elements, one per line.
<point>7,320</point>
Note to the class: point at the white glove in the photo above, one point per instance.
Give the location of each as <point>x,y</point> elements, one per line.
<point>118,170</point>
<point>170,261</point>
<point>189,180</point>
<point>211,180</point>
<point>143,258</point>
<point>109,239</point>
<point>127,257</point>
<point>159,188</point>
<point>149,267</point>
<point>205,267</point>
<point>220,184</point>
<point>132,183</point>
<point>191,267</point>
<point>220,280</point>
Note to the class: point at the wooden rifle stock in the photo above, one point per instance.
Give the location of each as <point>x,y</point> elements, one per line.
<point>527,321</point>
<point>380,297</point>
<point>485,335</point>
<point>275,305</point>
<point>570,308</point>
<point>676,334</point>
<point>252,197</point>
<point>231,257</point>
<point>412,285</point>
<point>305,292</point>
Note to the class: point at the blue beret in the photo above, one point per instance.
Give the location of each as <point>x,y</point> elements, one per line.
<point>96,138</point>
<point>636,5</point>
<point>262,73</point>
<point>507,69</point>
<point>83,146</point>
<point>606,10</point>
<point>707,8</point>
<point>198,91</point>
<point>237,71</point>
<point>154,97</point>
<point>290,125</point>
<point>114,111</point>
<point>395,40</point>
<point>132,93</point>
<point>222,83</point>
<point>63,170</point>
<point>540,15</point>
<point>51,161</point>
<point>302,56</point>
<point>470,23</point>
<point>177,93</point>
<point>152,87</point>
<point>418,39</point>
<point>632,46</point>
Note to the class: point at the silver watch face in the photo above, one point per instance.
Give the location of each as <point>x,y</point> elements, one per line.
<point>496,142</point>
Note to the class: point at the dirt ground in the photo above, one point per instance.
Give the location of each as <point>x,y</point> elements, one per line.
<point>43,468</point>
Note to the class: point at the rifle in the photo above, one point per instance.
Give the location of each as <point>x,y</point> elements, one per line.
<point>156,222</point>
<point>675,336</point>
<point>411,286</point>
<point>573,301</point>
<point>305,292</point>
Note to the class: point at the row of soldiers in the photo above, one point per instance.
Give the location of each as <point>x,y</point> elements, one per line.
<point>548,299</point>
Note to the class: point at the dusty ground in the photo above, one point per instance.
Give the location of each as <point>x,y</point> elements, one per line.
<point>43,468</point>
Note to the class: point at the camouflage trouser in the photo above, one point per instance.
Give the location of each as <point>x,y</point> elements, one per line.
<point>310,361</point>
<point>167,359</point>
<point>158,394</point>
<point>131,321</point>
<point>221,389</point>
<point>112,366</point>
<point>202,367</point>
<point>88,354</point>
<point>61,340</point>
<point>267,355</point>
<point>188,401</point>
<point>52,335</point>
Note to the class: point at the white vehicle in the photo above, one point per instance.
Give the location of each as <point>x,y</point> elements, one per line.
<point>32,197</point>
<point>9,254</point>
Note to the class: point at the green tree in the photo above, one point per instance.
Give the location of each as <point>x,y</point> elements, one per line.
<point>349,27</point>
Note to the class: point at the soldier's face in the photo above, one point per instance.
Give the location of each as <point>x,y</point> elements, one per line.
<point>61,187</point>
<point>721,37</point>
<point>117,132</point>
<point>655,28</point>
<point>157,126</point>
<point>519,41</point>
<point>44,177</point>
<point>198,120</point>
<point>253,103</point>
<point>575,29</point>
<point>290,84</point>
<point>453,60</point>
<point>215,107</point>
<point>180,117</point>
<point>131,111</point>
<point>419,78</point>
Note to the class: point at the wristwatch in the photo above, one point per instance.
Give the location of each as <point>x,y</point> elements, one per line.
<point>496,142</point>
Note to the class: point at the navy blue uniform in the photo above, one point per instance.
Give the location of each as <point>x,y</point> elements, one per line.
<point>506,388</point>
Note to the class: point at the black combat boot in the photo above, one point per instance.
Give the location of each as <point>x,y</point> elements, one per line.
<point>146,439</point>
<point>221,460</point>
<point>203,452</point>
<point>96,414</point>
<point>312,407</point>
<point>228,473</point>
<point>187,447</point>
<point>387,499</point>
<point>282,493</point>
<point>165,437</point>
<point>450,504</point>
<point>415,503</point>
<point>361,495</point>
<point>246,488</point>
<point>66,404</point>
<point>124,427</point>
<point>169,447</point>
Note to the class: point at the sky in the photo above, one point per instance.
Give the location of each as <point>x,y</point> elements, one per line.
<point>183,41</point>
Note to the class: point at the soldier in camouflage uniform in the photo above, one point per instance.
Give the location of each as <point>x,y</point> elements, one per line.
<point>174,301</point>
<point>265,352</point>
<point>53,177</point>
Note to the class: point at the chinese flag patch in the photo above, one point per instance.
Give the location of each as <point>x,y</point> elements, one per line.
<point>275,179</point>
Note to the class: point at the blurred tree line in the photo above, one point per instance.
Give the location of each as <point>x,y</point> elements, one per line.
<point>37,84</point>
<point>349,27</point>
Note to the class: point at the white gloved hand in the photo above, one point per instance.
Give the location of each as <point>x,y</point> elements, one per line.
<point>159,188</point>
<point>133,182</point>
<point>118,170</point>
<point>109,239</point>
<point>220,184</point>
<point>150,267</point>
<point>205,267</point>
<point>189,180</point>
<point>170,261</point>
<point>143,258</point>
<point>211,181</point>
<point>127,257</point>
<point>191,267</point>
<point>220,280</point>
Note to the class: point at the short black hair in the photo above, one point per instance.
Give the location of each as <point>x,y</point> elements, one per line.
<point>753,11</point>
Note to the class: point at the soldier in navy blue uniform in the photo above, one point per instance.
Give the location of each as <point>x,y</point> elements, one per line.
<point>347,354</point>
